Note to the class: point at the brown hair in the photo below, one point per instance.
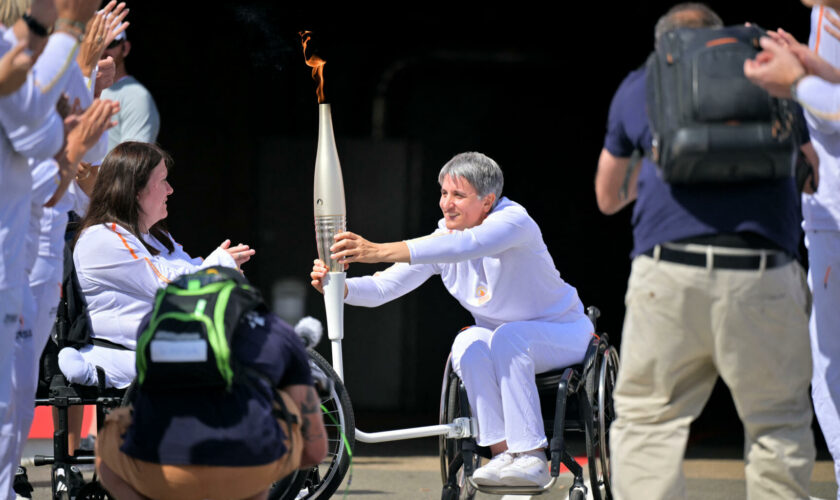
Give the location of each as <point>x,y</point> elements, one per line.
<point>122,175</point>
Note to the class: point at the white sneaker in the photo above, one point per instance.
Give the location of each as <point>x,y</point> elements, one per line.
<point>488,475</point>
<point>527,469</point>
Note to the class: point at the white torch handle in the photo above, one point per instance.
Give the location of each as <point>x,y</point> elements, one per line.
<point>334,305</point>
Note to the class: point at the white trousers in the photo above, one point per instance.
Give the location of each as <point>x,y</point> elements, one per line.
<point>29,344</point>
<point>824,326</point>
<point>11,304</point>
<point>79,366</point>
<point>498,369</point>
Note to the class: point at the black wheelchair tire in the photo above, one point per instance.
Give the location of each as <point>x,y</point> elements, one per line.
<point>598,415</point>
<point>576,494</point>
<point>322,481</point>
<point>593,451</point>
<point>606,411</point>
<point>450,451</point>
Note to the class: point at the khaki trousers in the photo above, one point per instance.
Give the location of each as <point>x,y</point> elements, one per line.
<point>195,482</point>
<point>686,325</point>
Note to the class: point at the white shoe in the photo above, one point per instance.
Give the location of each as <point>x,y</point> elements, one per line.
<point>488,475</point>
<point>527,469</point>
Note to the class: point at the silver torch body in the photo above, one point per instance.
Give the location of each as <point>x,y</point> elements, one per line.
<point>330,219</point>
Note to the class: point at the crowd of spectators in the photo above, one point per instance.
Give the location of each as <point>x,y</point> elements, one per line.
<point>63,86</point>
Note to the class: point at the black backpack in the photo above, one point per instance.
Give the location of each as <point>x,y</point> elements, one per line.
<point>72,322</point>
<point>187,340</point>
<point>709,122</point>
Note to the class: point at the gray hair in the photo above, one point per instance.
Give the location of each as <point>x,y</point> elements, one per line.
<point>479,170</point>
<point>677,17</point>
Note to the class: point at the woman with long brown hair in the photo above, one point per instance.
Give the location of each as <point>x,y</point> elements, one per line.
<point>123,255</point>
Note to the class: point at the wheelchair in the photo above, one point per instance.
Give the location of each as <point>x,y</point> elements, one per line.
<point>55,391</point>
<point>576,399</point>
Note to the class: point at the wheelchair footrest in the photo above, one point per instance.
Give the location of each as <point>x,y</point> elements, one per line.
<point>513,490</point>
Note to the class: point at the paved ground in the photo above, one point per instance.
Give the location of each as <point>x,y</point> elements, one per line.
<point>712,475</point>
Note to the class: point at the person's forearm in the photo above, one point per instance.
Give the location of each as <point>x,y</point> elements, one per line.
<point>393,252</point>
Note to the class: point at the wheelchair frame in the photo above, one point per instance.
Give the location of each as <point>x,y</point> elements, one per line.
<point>590,385</point>
<point>456,430</point>
<point>63,395</point>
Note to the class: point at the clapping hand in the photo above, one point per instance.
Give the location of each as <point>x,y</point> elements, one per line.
<point>241,253</point>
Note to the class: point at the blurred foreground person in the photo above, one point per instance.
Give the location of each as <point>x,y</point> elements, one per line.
<point>223,423</point>
<point>810,74</point>
<point>31,127</point>
<point>714,290</point>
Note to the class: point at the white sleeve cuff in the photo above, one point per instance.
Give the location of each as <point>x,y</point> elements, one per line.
<point>219,257</point>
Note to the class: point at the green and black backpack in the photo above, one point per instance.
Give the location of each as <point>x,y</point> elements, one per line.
<point>187,342</point>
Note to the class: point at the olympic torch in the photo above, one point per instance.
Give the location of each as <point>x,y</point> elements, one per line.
<point>330,219</point>
<point>330,212</point>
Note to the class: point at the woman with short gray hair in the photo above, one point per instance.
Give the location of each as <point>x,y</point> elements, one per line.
<point>491,257</point>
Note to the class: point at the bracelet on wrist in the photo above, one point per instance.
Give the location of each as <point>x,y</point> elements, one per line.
<point>35,26</point>
<point>75,28</point>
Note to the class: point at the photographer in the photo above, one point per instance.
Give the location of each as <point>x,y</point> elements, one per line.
<point>714,290</point>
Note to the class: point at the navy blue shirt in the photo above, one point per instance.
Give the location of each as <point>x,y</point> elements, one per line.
<point>665,212</point>
<point>217,427</point>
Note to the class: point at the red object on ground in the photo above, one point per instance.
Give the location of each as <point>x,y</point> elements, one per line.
<point>42,425</point>
<point>582,461</point>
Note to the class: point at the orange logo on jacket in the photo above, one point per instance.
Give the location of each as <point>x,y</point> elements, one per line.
<point>482,294</point>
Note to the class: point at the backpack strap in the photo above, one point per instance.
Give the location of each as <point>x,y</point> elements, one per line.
<point>108,344</point>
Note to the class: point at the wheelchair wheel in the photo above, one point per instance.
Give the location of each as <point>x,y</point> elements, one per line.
<point>606,410</point>
<point>322,481</point>
<point>598,415</point>
<point>455,485</point>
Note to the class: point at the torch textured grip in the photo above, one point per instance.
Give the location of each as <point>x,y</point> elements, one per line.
<point>326,227</point>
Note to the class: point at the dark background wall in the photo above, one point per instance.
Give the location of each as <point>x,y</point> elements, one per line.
<point>409,88</point>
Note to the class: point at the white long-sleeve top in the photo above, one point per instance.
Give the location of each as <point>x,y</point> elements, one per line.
<point>35,100</point>
<point>500,271</point>
<point>821,102</point>
<point>119,278</point>
<point>46,235</point>
<point>33,106</point>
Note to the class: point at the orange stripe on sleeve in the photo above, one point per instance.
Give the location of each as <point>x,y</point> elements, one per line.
<point>721,41</point>
<point>157,273</point>
<point>114,229</point>
<point>819,30</point>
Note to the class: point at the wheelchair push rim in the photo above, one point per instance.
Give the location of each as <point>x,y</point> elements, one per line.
<point>324,479</point>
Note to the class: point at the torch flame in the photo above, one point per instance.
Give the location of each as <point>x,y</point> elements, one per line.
<point>317,65</point>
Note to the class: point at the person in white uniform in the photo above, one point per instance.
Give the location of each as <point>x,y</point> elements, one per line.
<point>50,202</point>
<point>491,257</point>
<point>123,255</point>
<point>31,105</point>
<point>811,75</point>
